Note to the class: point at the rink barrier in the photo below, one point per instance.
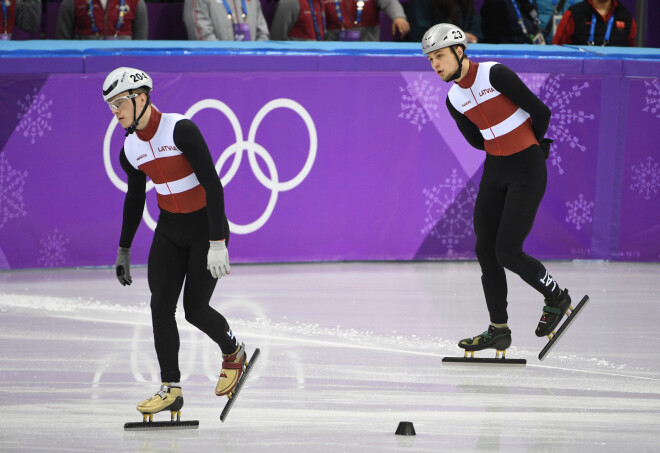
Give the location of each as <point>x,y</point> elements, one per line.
<point>56,57</point>
<point>370,165</point>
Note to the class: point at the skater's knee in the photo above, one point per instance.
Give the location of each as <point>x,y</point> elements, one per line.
<point>163,312</point>
<point>486,254</point>
<point>192,317</point>
<point>160,301</point>
<point>509,257</point>
<point>196,316</point>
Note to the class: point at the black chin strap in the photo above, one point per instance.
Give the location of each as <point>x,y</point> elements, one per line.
<point>132,128</point>
<point>460,64</point>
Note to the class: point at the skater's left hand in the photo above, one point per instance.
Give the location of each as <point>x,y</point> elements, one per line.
<point>218,259</point>
<point>123,266</point>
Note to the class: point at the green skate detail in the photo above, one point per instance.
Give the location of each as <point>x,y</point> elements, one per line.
<point>553,312</point>
<point>493,338</point>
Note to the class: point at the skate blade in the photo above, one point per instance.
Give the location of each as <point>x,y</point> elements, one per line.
<point>483,361</point>
<point>148,426</point>
<point>239,386</point>
<point>569,320</point>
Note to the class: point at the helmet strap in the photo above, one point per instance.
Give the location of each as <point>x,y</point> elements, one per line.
<point>133,127</point>
<point>460,64</point>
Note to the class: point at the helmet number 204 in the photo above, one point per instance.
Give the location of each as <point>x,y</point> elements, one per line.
<point>139,76</point>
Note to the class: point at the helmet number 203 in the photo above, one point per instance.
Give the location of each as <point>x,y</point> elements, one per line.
<point>137,77</point>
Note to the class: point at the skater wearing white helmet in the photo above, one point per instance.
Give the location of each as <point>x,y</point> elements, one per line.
<point>189,248</point>
<point>496,112</point>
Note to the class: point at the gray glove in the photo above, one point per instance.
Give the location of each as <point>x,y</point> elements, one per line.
<point>123,266</point>
<point>218,259</point>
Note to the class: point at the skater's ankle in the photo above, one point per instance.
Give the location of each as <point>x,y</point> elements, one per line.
<point>500,326</point>
<point>234,351</point>
<point>556,294</point>
<point>556,298</point>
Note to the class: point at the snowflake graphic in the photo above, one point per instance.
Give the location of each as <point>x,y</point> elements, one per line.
<point>652,98</point>
<point>579,212</point>
<point>34,115</point>
<point>449,208</point>
<point>12,183</point>
<point>535,81</point>
<point>559,99</point>
<point>420,102</point>
<point>646,178</point>
<point>52,250</point>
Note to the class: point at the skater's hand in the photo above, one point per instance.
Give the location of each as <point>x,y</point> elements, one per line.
<point>545,146</point>
<point>123,266</point>
<point>218,259</point>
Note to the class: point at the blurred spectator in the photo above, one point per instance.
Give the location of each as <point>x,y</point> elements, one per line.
<point>102,19</point>
<point>423,14</point>
<point>597,22</point>
<point>550,12</point>
<point>24,14</point>
<point>545,9</point>
<point>511,21</point>
<point>225,20</point>
<point>351,20</point>
<point>298,20</point>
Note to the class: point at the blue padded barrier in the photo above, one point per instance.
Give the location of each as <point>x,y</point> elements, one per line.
<point>49,57</point>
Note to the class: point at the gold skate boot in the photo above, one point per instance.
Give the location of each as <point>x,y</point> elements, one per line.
<point>167,398</point>
<point>233,366</point>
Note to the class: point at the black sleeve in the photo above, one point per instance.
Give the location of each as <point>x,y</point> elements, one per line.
<point>472,24</point>
<point>493,16</point>
<point>469,130</point>
<point>509,84</point>
<point>133,203</point>
<point>189,140</point>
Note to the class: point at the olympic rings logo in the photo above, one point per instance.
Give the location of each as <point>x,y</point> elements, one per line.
<point>253,149</point>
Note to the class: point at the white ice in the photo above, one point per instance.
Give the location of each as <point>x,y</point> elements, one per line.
<point>348,351</point>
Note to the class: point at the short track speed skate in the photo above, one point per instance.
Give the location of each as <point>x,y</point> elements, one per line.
<point>231,385</point>
<point>167,398</point>
<point>494,338</point>
<point>556,336</point>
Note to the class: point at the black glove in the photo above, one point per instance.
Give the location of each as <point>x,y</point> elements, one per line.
<point>123,266</point>
<point>545,146</point>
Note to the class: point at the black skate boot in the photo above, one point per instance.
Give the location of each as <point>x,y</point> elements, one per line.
<point>498,338</point>
<point>553,312</point>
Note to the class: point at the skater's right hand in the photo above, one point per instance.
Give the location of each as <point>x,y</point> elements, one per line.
<point>123,266</point>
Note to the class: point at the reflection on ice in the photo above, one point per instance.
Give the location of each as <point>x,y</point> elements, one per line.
<point>348,351</point>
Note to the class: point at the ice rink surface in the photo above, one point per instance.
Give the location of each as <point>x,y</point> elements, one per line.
<point>348,351</point>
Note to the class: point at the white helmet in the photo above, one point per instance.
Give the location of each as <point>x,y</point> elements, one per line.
<point>125,79</point>
<point>443,35</point>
